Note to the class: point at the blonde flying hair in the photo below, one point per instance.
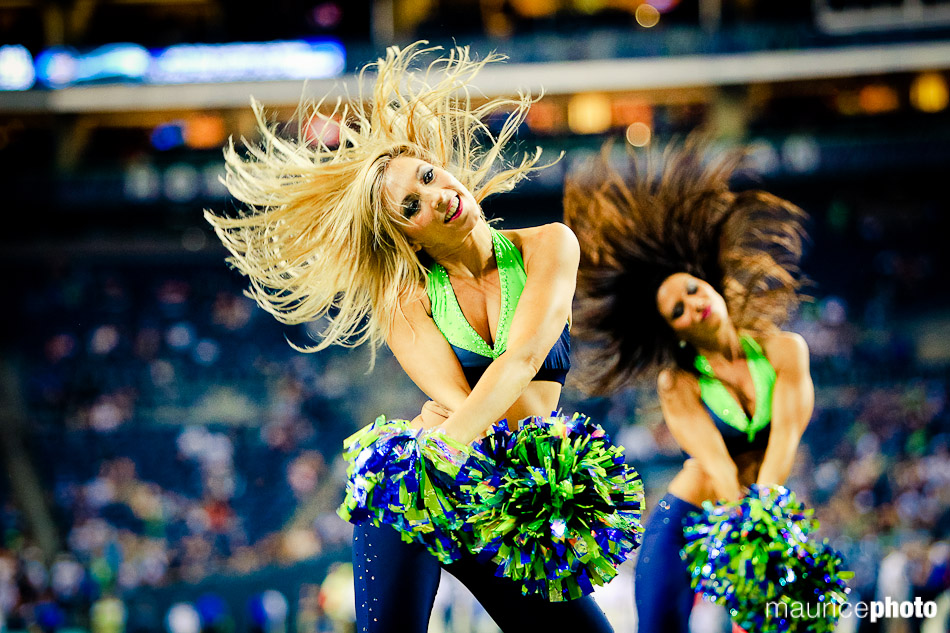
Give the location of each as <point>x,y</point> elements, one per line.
<point>314,237</point>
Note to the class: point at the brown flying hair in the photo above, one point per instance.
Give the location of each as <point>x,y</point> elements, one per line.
<point>641,223</point>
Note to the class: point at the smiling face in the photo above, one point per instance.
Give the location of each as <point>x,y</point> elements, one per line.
<point>691,307</point>
<point>433,206</point>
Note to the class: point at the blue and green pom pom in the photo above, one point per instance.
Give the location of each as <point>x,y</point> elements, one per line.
<point>406,478</point>
<point>757,557</point>
<point>561,510</point>
<point>552,506</point>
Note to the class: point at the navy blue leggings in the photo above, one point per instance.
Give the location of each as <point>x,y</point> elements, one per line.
<point>396,584</point>
<point>662,592</point>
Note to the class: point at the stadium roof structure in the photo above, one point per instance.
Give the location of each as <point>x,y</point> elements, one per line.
<point>563,77</point>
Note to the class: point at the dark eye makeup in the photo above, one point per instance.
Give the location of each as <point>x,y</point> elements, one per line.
<point>410,205</point>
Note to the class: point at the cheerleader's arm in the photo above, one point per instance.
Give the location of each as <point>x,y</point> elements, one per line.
<point>793,401</point>
<point>695,432</point>
<point>428,359</point>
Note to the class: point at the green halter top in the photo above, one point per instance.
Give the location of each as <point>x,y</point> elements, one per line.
<point>447,313</point>
<point>722,403</point>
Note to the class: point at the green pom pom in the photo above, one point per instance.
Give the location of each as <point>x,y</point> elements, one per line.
<point>560,511</point>
<point>405,478</point>
<point>757,558</point>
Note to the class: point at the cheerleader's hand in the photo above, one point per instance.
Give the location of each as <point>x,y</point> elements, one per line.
<point>432,415</point>
<point>727,488</point>
<point>458,433</point>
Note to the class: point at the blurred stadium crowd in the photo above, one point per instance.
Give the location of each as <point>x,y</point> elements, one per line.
<point>180,437</point>
<point>172,463</point>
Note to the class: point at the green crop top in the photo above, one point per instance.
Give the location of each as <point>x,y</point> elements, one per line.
<point>721,404</point>
<point>473,352</point>
<point>447,313</point>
